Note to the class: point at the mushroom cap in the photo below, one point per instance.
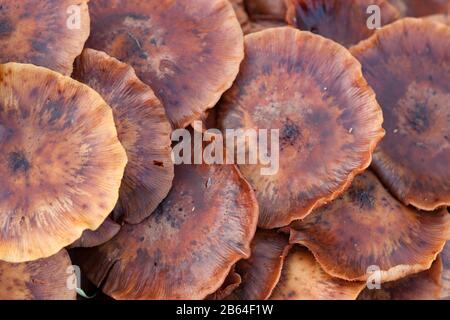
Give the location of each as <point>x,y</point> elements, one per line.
<point>232,281</point>
<point>241,14</point>
<point>441,18</point>
<point>302,278</point>
<point>445,278</point>
<point>342,21</point>
<point>61,162</point>
<point>260,25</point>
<point>188,51</point>
<point>142,127</point>
<point>38,32</point>
<point>408,65</point>
<point>311,90</point>
<point>187,247</point>
<point>260,273</point>
<point>266,9</point>
<point>107,230</point>
<point>43,279</point>
<point>425,285</point>
<point>420,8</point>
<point>367,227</point>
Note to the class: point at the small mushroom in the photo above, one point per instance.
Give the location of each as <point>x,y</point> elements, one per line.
<point>312,91</point>
<point>302,278</point>
<point>188,51</point>
<point>61,163</point>
<point>408,65</point>
<point>107,230</point>
<point>260,273</point>
<point>425,285</point>
<point>345,22</point>
<point>187,247</point>
<point>266,9</point>
<point>142,127</point>
<point>43,279</point>
<point>47,33</point>
<point>368,227</point>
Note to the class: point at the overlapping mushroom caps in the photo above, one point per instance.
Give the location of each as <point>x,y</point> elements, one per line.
<point>311,90</point>
<point>92,238</point>
<point>408,65</point>
<point>368,227</point>
<point>302,278</point>
<point>61,163</point>
<point>241,14</point>
<point>260,273</point>
<point>47,33</point>
<point>188,51</point>
<point>142,127</point>
<point>187,247</point>
<point>42,279</point>
<point>345,22</point>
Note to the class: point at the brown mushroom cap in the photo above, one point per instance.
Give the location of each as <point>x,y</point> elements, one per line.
<point>369,227</point>
<point>312,90</point>
<point>260,25</point>
<point>342,21</point>
<point>61,162</point>
<point>266,9</point>
<point>302,278</point>
<point>43,279</point>
<point>38,32</point>
<point>107,230</point>
<point>188,51</point>
<point>187,247</point>
<point>260,273</point>
<point>420,8</point>
<point>408,65</point>
<point>425,285</point>
<point>232,281</point>
<point>142,127</point>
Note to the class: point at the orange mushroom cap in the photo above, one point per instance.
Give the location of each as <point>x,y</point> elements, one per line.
<point>260,273</point>
<point>302,278</point>
<point>142,128</point>
<point>408,65</point>
<point>342,21</point>
<point>188,51</point>
<point>47,33</point>
<point>369,227</point>
<point>43,279</point>
<point>61,163</point>
<point>187,247</point>
<point>312,90</point>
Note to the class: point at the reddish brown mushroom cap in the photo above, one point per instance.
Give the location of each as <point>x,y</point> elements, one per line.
<point>425,285</point>
<point>369,227</point>
<point>342,21</point>
<point>43,279</point>
<point>61,163</point>
<point>187,247</point>
<point>260,273</point>
<point>47,33</point>
<point>232,281</point>
<point>108,229</point>
<point>408,65</point>
<point>312,90</point>
<point>142,127</point>
<point>188,51</point>
<point>302,278</point>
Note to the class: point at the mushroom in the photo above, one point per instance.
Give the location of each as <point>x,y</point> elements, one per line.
<point>407,64</point>
<point>61,163</point>
<point>43,279</point>
<point>266,9</point>
<point>260,273</point>
<point>187,247</point>
<point>142,128</point>
<point>107,230</point>
<point>188,51</point>
<point>302,278</point>
<point>46,33</point>
<point>345,22</point>
<point>367,228</point>
<point>425,285</point>
<point>312,91</point>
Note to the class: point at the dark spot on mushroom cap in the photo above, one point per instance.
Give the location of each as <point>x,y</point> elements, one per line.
<point>5,27</point>
<point>364,197</point>
<point>290,132</point>
<point>18,162</point>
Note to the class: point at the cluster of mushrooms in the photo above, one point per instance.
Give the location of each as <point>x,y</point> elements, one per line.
<point>86,172</point>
